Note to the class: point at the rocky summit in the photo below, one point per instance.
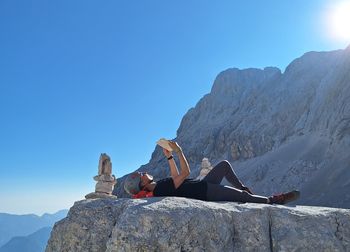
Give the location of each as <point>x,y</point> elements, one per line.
<point>280,131</point>
<point>181,224</point>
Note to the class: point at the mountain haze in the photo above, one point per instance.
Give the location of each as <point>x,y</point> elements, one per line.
<point>13,225</point>
<point>35,242</point>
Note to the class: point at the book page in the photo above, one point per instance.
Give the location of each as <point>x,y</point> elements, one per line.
<point>165,144</point>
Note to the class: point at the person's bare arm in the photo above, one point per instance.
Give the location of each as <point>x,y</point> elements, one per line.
<point>185,168</point>
<point>172,164</point>
<point>173,168</point>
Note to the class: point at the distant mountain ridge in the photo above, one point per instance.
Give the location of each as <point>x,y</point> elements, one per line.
<point>279,130</point>
<point>12,225</point>
<point>35,242</point>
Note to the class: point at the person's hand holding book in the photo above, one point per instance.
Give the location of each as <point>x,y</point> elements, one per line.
<point>169,146</point>
<point>175,146</point>
<point>167,153</point>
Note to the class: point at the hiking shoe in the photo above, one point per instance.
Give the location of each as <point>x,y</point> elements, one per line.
<point>244,188</point>
<point>284,198</point>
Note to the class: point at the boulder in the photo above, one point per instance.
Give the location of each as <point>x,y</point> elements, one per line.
<point>181,224</point>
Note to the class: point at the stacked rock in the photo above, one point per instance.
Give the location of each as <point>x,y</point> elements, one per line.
<point>205,168</point>
<point>105,180</point>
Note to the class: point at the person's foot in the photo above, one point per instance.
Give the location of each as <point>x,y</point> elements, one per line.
<point>284,198</point>
<point>244,188</point>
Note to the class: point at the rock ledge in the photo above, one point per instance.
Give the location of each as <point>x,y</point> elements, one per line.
<point>180,224</point>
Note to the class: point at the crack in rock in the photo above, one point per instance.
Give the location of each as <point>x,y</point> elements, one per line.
<point>270,233</point>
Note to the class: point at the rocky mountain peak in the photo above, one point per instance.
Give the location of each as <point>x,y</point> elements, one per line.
<point>281,131</point>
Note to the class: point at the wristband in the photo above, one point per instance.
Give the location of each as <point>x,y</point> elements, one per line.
<point>171,157</point>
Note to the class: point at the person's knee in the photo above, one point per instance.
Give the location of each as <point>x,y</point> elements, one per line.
<point>226,164</point>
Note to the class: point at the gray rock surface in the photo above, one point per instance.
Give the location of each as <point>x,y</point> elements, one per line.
<point>180,224</point>
<point>280,131</point>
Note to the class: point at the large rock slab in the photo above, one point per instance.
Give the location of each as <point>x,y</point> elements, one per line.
<point>180,224</point>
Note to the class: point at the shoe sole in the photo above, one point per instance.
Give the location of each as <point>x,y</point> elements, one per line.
<point>296,195</point>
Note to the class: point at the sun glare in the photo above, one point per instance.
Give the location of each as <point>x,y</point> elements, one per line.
<point>339,21</point>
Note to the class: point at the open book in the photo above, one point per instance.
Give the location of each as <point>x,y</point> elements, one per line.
<point>165,144</point>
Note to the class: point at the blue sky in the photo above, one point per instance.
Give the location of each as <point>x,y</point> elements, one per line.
<point>78,78</point>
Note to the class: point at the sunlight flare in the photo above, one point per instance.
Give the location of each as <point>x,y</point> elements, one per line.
<point>339,21</point>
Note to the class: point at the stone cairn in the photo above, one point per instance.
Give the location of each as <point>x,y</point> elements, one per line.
<point>205,168</point>
<point>105,179</point>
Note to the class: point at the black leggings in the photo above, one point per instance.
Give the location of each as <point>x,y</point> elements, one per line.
<point>217,192</point>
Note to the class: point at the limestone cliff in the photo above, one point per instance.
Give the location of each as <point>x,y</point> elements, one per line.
<point>180,224</point>
<point>280,130</point>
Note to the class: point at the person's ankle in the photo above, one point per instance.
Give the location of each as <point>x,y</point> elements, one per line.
<point>245,188</point>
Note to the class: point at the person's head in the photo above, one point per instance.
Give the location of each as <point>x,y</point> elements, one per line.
<point>145,179</point>
<point>136,182</point>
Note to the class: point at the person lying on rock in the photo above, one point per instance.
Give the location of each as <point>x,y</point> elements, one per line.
<point>141,184</point>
